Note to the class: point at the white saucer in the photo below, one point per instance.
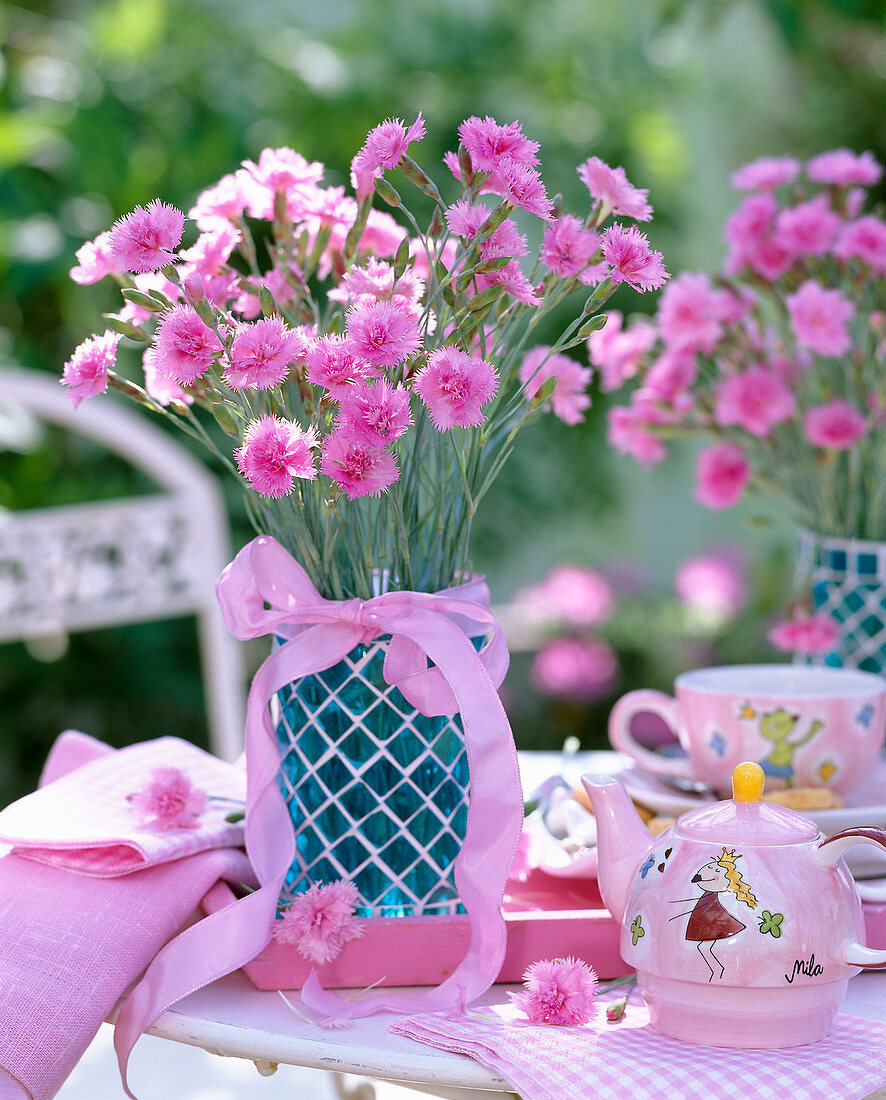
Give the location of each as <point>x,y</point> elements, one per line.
<point>866,805</point>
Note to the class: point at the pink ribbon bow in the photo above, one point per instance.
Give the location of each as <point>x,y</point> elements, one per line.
<point>264,591</point>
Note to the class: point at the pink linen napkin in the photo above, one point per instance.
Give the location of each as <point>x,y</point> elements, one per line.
<point>71,943</point>
<point>630,1061</point>
<point>83,821</point>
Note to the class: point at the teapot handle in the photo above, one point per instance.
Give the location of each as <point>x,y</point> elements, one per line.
<point>826,855</point>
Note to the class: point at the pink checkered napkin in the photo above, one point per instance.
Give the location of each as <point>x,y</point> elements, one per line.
<point>83,821</point>
<point>630,1061</point>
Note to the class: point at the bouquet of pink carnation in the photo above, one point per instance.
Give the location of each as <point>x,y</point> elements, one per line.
<point>779,361</point>
<point>371,373</point>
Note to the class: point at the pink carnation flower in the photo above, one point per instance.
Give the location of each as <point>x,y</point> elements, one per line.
<point>836,425</point>
<point>805,634</point>
<point>568,246</point>
<point>808,229</point>
<point>670,378</point>
<point>185,346</point>
<point>820,318</point>
<point>512,278</point>
<point>383,333</point>
<point>169,801</point>
<point>628,431</point>
<point>320,921</point>
<point>558,991</point>
<point>865,240</point>
<point>488,143</point>
<point>86,372</point>
<point>722,474</point>
<point>278,170</point>
<point>360,468</point>
<point>752,220</point>
<point>756,399</point>
<point>570,398</point>
<point>522,186</point>
<point>690,314</point>
<point>617,352</point>
<point>715,584</point>
<point>765,174</point>
<point>612,187</point>
<point>842,167</point>
<point>332,364</point>
<point>274,453</point>
<point>147,238</point>
<point>226,199</point>
<point>632,261</point>
<point>377,414</point>
<point>261,354</point>
<point>455,387</point>
<point>158,386</point>
<point>384,146</point>
<point>212,249</point>
<point>94,261</point>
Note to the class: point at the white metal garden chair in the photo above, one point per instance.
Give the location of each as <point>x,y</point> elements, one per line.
<point>134,559</point>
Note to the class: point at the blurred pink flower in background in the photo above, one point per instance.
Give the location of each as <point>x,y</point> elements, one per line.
<point>616,353</point>
<point>836,425</point>
<point>86,372</point>
<point>842,167</point>
<point>569,399</point>
<point>755,399</point>
<point>722,474</point>
<point>715,583</point>
<point>819,318</point>
<point>569,593</point>
<point>805,634</point>
<point>578,669</point>
<point>765,174</point>
<point>690,313</point>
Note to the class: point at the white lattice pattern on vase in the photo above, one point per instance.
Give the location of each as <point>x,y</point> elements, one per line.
<point>847,579</point>
<point>377,791</point>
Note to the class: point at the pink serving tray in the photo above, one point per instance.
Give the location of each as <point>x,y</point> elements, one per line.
<point>546,917</point>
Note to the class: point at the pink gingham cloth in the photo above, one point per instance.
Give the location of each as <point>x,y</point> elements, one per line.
<point>83,821</point>
<point>629,1061</point>
<point>72,943</point>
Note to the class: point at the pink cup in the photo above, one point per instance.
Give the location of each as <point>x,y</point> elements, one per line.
<point>806,726</point>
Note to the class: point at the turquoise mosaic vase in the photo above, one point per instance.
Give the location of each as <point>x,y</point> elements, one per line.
<point>847,579</point>
<point>377,792</point>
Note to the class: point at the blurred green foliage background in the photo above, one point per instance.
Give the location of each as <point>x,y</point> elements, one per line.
<point>108,103</point>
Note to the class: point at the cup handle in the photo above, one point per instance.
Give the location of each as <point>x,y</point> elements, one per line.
<point>826,855</point>
<point>637,702</point>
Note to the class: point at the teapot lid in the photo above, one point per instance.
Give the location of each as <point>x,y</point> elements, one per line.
<point>746,818</point>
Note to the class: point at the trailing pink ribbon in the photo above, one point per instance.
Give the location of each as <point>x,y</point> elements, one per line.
<point>265,591</point>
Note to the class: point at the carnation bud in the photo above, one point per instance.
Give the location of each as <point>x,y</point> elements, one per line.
<point>143,300</point>
<point>492,223</point>
<point>592,325</point>
<point>125,328</point>
<point>419,177</point>
<point>437,224</point>
<point>267,303</point>
<point>387,193</point>
<point>225,421</point>
<point>495,264</point>
<point>465,166</point>
<point>356,231</point>
<point>204,311</point>
<point>616,1009</point>
<point>485,298</point>
<point>193,288</point>
<point>401,260</point>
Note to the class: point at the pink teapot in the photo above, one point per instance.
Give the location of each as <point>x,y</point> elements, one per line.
<point>742,921</point>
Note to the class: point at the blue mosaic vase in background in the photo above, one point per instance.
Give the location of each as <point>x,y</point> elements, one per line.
<point>377,791</point>
<point>847,579</point>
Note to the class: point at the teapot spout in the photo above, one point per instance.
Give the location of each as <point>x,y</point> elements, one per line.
<point>622,840</point>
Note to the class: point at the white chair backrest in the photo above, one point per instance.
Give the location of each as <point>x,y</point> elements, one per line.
<point>134,559</point>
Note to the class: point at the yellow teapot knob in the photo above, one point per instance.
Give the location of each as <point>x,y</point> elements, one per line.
<point>747,782</point>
